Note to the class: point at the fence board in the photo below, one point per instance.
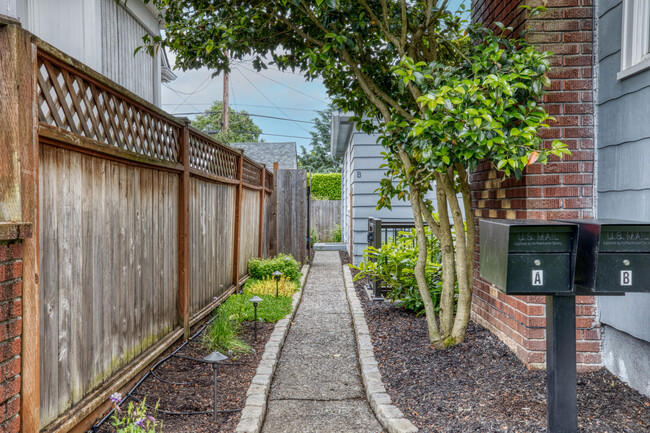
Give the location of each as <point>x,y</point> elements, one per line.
<point>249,229</point>
<point>97,215</point>
<point>325,216</point>
<point>211,240</point>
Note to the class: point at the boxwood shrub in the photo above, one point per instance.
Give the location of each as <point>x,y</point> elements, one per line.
<point>326,186</point>
<point>261,268</point>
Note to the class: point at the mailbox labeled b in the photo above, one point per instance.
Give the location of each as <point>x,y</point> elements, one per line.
<point>613,257</point>
<point>528,257</point>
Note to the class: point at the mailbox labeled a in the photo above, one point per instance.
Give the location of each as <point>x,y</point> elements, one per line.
<point>613,257</point>
<point>528,257</point>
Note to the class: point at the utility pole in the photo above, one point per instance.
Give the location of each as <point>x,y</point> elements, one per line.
<point>225,114</point>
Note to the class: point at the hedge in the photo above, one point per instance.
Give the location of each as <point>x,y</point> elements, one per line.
<point>326,186</point>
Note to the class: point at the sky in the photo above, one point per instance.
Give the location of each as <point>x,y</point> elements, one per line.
<point>286,95</point>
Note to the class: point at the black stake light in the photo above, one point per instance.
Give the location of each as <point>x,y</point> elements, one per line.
<point>277,275</point>
<point>255,300</point>
<point>215,358</point>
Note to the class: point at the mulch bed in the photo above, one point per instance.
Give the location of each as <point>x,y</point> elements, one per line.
<point>233,381</point>
<point>479,385</point>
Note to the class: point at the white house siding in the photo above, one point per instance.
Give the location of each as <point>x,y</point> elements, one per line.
<point>623,191</point>
<point>121,35</point>
<point>100,34</point>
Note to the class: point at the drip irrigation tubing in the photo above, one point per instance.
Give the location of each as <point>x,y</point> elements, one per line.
<point>168,412</point>
<point>96,426</point>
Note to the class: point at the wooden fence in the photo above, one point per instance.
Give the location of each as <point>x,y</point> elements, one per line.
<point>139,221</point>
<point>290,207</point>
<point>325,217</point>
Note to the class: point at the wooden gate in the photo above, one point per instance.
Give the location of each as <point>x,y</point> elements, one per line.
<point>290,201</point>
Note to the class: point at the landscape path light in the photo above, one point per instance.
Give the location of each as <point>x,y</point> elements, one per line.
<point>277,275</point>
<point>255,300</point>
<point>215,358</point>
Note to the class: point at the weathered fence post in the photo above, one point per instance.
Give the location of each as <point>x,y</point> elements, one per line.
<point>184,234</point>
<point>261,222</point>
<point>238,200</point>
<point>19,194</point>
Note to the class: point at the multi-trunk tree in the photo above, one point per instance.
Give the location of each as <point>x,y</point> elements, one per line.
<point>443,95</point>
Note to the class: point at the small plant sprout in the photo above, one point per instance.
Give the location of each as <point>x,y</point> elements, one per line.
<point>135,418</point>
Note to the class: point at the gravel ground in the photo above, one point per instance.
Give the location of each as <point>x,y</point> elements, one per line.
<point>233,382</point>
<point>480,386</point>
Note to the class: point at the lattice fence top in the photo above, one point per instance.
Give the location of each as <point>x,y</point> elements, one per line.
<point>252,173</point>
<point>70,101</point>
<point>210,157</point>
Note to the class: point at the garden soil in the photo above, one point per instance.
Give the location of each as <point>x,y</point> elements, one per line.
<point>233,381</point>
<point>479,385</point>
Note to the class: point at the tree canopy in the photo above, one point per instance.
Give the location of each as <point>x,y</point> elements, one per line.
<point>241,126</point>
<point>319,158</point>
<point>443,96</point>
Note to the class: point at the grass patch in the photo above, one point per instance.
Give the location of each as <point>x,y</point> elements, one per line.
<point>223,333</point>
<point>271,309</point>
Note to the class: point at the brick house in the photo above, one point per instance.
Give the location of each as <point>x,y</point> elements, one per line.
<point>587,76</point>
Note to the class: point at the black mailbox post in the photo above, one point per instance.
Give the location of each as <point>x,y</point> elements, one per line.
<point>613,257</point>
<point>529,257</point>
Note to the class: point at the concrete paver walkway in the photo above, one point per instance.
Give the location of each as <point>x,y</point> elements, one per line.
<point>317,385</point>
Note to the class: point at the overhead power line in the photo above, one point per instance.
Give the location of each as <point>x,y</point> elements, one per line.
<point>249,114</point>
<point>280,83</point>
<point>249,105</point>
<point>260,133</point>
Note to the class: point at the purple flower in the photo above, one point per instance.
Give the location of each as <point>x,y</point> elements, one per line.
<point>140,423</point>
<point>116,397</point>
<point>152,419</point>
<point>230,352</point>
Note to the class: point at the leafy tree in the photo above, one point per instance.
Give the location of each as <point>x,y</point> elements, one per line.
<point>319,159</point>
<point>241,126</point>
<point>442,97</point>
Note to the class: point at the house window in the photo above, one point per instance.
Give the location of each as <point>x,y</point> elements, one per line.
<point>635,40</point>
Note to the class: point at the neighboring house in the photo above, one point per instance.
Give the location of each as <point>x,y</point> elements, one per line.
<point>360,176</point>
<point>622,176</point>
<point>601,103</point>
<point>284,154</point>
<point>101,34</point>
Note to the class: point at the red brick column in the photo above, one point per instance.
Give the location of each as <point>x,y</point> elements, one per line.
<point>11,271</point>
<point>561,189</point>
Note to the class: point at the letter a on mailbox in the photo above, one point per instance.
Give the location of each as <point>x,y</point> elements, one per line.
<point>538,277</point>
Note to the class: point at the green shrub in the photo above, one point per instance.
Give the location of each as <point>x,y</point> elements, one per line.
<point>271,309</point>
<point>261,268</point>
<point>394,262</point>
<point>326,186</point>
<point>336,234</point>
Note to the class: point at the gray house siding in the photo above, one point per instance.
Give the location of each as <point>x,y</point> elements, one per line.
<point>361,175</point>
<point>623,191</point>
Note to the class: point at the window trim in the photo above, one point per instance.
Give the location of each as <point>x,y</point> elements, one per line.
<point>635,38</point>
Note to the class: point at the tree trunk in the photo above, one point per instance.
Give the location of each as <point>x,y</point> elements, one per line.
<point>448,267</point>
<point>434,335</point>
<point>464,289</point>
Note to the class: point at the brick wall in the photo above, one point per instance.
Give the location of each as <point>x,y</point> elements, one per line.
<point>560,189</point>
<point>11,271</point>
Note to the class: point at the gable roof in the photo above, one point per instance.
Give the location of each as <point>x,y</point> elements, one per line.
<point>285,154</point>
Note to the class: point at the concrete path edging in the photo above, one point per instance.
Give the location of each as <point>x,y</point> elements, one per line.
<point>252,416</point>
<point>390,417</point>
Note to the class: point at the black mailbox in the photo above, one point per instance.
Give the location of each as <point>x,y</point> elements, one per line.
<point>613,257</point>
<point>528,257</point>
